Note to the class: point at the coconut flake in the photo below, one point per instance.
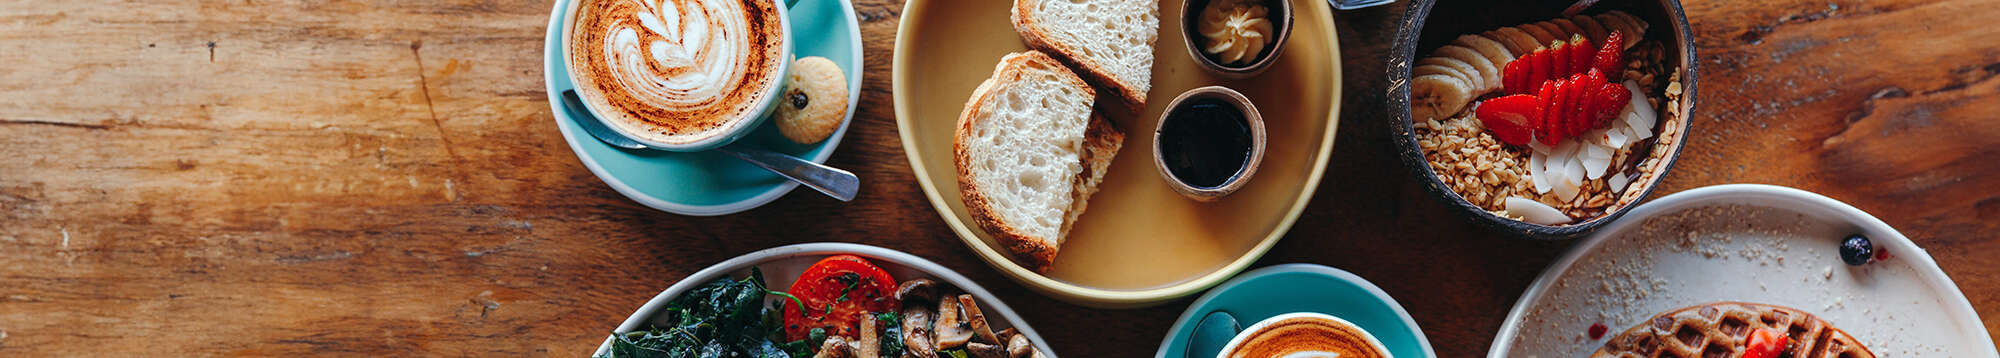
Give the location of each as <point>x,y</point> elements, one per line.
<point>1639,126</point>
<point>1572,182</point>
<point>1595,160</point>
<point>1615,136</point>
<point>1538,147</point>
<point>1535,212</point>
<point>1537,172</point>
<point>1618,182</point>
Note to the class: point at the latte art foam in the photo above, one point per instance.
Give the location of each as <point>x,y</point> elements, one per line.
<point>1306,337</point>
<point>680,70</point>
<point>1312,354</point>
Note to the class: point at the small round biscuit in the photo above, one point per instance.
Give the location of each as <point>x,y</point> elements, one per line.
<point>814,101</point>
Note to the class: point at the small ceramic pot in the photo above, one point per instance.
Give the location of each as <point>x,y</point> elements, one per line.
<point>1257,141</point>
<point>1281,22</point>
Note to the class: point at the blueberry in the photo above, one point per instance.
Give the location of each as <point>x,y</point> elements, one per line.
<point>1856,250</point>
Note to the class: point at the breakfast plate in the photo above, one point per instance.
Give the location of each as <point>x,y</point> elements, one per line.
<point>1750,243</point>
<point>710,182</point>
<point>1288,288</point>
<point>1139,243</point>
<point>781,266</point>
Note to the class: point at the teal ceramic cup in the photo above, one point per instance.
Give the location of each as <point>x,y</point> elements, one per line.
<point>730,129</point>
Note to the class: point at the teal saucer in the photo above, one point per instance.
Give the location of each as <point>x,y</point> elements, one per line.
<point>712,183</point>
<point>1275,290</point>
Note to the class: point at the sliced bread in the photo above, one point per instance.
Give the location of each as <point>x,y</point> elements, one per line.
<point>1109,42</point>
<point>1029,152</point>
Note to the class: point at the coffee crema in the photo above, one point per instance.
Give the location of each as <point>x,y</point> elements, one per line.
<point>1307,337</point>
<point>676,71</point>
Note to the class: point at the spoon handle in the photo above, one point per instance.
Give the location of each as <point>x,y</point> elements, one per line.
<point>839,184</point>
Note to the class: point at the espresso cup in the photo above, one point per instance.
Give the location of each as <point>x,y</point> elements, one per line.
<point>679,78</point>
<point>1304,335</point>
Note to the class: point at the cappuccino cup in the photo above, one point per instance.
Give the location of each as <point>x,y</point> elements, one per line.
<point>679,75</point>
<point>1304,335</point>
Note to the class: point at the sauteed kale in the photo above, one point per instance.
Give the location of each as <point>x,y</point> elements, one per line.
<point>725,318</point>
<point>728,318</point>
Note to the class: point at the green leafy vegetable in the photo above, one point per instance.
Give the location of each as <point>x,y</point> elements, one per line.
<point>724,318</point>
<point>892,336</point>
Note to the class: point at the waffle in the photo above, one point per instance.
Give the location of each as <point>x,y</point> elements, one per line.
<point>1722,329</point>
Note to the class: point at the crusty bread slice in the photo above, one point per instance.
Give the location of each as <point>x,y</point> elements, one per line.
<point>1029,152</point>
<point>1110,42</point>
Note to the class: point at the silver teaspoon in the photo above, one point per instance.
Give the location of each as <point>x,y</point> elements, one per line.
<point>839,184</point>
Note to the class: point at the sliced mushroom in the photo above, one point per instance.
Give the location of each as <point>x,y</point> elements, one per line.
<point>1018,346</point>
<point>952,331</point>
<point>870,344</point>
<point>835,347</point>
<point>917,333</point>
<point>1006,335</point>
<point>977,320</point>
<point>982,350</point>
<point>1036,353</point>
<point>920,290</point>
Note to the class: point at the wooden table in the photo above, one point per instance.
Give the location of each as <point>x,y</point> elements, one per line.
<point>375,177</point>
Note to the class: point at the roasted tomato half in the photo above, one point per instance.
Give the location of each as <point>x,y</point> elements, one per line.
<point>836,292</point>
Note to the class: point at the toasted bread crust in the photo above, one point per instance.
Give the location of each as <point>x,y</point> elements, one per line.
<point>1036,253</point>
<point>1025,21</point>
<point>1101,141</point>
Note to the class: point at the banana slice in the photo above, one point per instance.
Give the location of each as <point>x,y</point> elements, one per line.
<point>1437,97</point>
<point>1591,29</point>
<point>1518,42</point>
<point>1542,36</point>
<point>1473,79</point>
<point>1633,27</point>
<point>1614,24</point>
<point>1566,26</point>
<point>1554,31</point>
<point>1493,50</point>
<point>1489,75</point>
<point>1439,69</point>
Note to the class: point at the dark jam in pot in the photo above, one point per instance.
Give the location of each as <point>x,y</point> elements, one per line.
<point>1205,142</point>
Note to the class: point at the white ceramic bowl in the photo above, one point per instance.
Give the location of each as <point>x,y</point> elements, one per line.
<point>781,265</point>
<point>1744,242</point>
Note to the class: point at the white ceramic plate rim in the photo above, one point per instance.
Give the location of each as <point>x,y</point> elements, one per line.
<point>569,136</point>
<point>1803,201</point>
<point>727,267</point>
<point>1339,274</point>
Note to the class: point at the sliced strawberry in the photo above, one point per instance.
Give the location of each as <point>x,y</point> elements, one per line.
<point>1615,98</point>
<point>1765,343</point>
<point>1574,111</point>
<point>1509,117</point>
<point>1513,76</point>
<point>1542,70</point>
<point>1556,122</point>
<point>1559,66</point>
<point>1545,95</point>
<point>1580,55</point>
<point>1611,58</point>
<point>1588,84</point>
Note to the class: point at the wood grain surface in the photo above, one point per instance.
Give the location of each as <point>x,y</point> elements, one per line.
<point>382,178</point>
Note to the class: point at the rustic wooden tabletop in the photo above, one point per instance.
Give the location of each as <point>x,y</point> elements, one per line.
<point>376,177</point>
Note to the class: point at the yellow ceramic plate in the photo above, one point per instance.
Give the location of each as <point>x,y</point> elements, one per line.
<point>1139,243</point>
